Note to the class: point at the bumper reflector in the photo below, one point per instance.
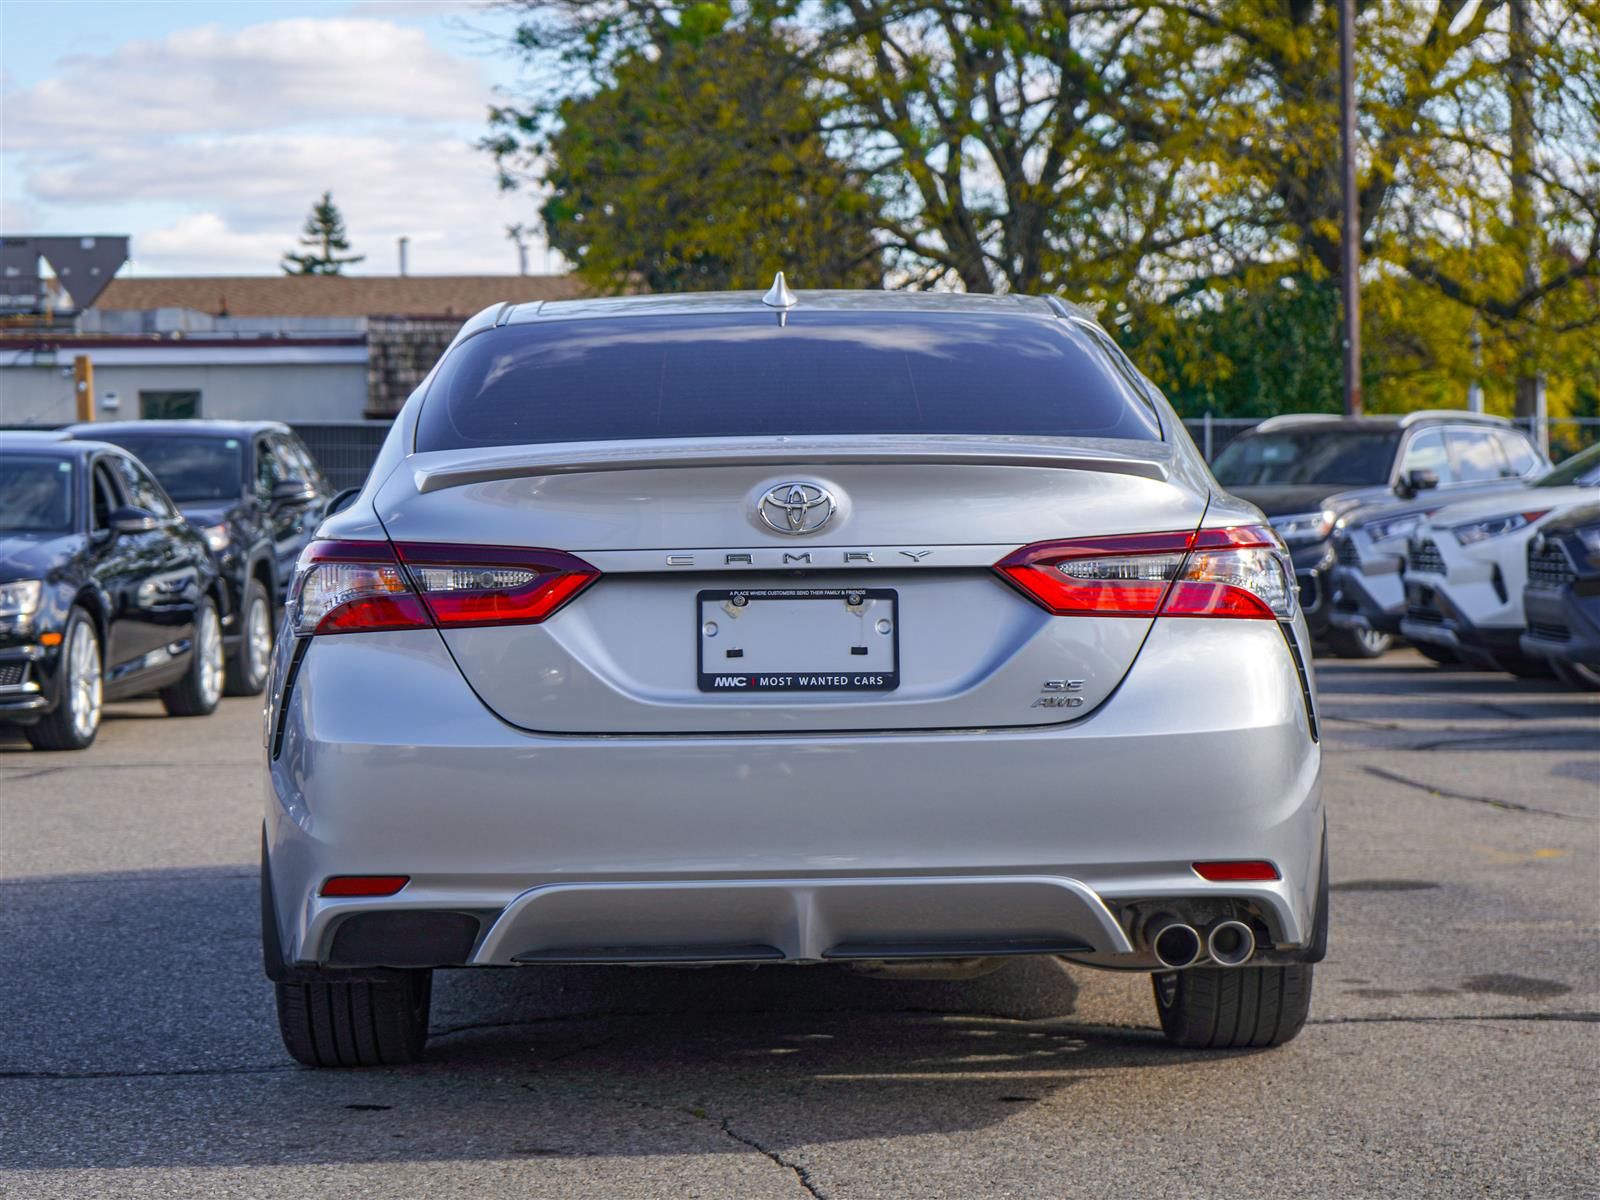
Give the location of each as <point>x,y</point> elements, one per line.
<point>1236,872</point>
<point>364,885</point>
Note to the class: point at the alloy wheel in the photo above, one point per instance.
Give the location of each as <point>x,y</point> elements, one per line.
<point>210,649</point>
<point>258,639</point>
<point>84,683</point>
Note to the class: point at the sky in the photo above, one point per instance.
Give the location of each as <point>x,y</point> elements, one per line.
<point>206,130</point>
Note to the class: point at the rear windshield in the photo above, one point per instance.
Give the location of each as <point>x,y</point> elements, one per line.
<point>720,375</point>
<point>190,468</point>
<point>1352,457</point>
<point>35,494</point>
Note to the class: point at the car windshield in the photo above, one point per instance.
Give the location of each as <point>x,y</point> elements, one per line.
<point>190,468</point>
<point>1582,469</point>
<point>1310,454</point>
<point>819,372</point>
<point>35,494</point>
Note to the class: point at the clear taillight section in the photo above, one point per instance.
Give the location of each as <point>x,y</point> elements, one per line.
<point>1236,572</point>
<point>348,587</point>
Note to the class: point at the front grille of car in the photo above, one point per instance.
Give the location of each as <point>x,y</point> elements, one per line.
<point>12,674</point>
<point>1549,567</point>
<point>1549,632</point>
<point>1345,551</point>
<point>1425,613</point>
<point>1426,558</point>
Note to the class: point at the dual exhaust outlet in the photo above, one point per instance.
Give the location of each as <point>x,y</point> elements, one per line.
<point>1178,945</point>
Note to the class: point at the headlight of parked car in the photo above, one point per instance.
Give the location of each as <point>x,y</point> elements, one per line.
<point>1304,527</point>
<point>1482,531</point>
<point>20,597</point>
<point>1393,527</point>
<point>1589,535</point>
<point>216,537</point>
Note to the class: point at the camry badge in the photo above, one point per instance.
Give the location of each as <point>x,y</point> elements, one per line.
<point>796,507</point>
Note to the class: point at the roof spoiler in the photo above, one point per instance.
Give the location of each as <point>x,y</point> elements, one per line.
<point>438,470</point>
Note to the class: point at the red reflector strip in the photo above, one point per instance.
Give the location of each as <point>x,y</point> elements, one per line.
<point>1245,871</point>
<point>364,885</point>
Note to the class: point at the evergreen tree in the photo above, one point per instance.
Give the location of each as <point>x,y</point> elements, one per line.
<point>323,237</point>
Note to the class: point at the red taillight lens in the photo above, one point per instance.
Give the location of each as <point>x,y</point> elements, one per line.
<point>1245,871</point>
<point>363,885</point>
<point>1234,572</point>
<point>350,587</point>
<point>493,585</point>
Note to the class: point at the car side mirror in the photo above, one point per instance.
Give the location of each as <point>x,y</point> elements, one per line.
<point>293,491</point>
<point>1419,480</point>
<point>131,519</point>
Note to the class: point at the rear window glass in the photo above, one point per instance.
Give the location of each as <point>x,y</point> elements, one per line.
<point>742,375</point>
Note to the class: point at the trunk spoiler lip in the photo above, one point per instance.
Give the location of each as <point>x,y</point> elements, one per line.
<point>434,471</point>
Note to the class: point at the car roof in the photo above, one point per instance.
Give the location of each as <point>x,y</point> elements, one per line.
<point>804,300</point>
<point>52,444</point>
<point>1376,421</point>
<point>194,427</point>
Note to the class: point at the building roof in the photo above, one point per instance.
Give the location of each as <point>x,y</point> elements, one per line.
<point>336,295</point>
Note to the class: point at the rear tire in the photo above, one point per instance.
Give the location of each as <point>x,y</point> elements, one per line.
<point>1218,1008</point>
<point>367,1023</point>
<point>75,720</point>
<point>200,690</point>
<point>1359,643</point>
<point>248,668</point>
<point>1578,675</point>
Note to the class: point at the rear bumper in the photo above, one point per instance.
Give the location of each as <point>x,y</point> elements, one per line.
<point>1055,840</point>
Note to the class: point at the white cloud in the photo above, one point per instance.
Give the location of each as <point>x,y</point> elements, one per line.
<point>209,80</point>
<point>214,143</point>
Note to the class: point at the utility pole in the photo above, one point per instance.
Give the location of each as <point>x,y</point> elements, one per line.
<point>519,235</point>
<point>404,243</point>
<point>1524,231</point>
<point>83,386</point>
<point>1350,243</point>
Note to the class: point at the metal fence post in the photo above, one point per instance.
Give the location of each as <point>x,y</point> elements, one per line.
<point>1206,427</point>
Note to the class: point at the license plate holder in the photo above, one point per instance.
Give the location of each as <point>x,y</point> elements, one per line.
<point>798,640</point>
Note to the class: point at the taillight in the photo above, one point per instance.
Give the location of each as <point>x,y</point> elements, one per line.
<point>349,587</point>
<point>1236,572</point>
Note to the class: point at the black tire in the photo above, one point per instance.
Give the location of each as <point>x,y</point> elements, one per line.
<point>1442,655</point>
<point>66,727</point>
<point>247,668</point>
<point>1525,666</point>
<point>367,1023</point>
<point>199,692</point>
<point>1578,675</point>
<point>1220,1008</point>
<point>1359,643</point>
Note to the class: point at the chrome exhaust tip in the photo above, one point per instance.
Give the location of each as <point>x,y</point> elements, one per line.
<point>1177,945</point>
<point>1231,943</point>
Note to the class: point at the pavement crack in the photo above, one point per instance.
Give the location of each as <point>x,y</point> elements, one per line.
<point>167,1073</point>
<point>1584,1018</point>
<point>1492,801</point>
<point>802,1177</point>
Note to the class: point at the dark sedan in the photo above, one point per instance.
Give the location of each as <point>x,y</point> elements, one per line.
<point>105,591</point>
<point>256,495</point>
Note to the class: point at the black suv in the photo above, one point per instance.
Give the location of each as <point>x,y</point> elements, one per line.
<point>1306,471</point>
<point>105,591</point>
<point>254,492</point>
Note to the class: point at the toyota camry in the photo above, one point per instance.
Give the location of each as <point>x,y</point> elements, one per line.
<point>798,628</point>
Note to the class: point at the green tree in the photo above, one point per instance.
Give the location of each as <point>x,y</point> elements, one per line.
<point>323,237</point>
<point>699,163</point>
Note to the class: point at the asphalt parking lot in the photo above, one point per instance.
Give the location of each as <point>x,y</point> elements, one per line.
<point>1453,1049</point>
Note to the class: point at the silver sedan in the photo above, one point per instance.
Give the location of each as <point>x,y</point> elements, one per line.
<point>812,627</point>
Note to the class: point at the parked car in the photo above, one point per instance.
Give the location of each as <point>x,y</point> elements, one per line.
<point>1367,586</point>
<point>1305,471</point>
<point>105,591</point>
<point>730,628</point>
<point>1562,599</point>
<point>1466,568</point>
<point>254,492</point>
